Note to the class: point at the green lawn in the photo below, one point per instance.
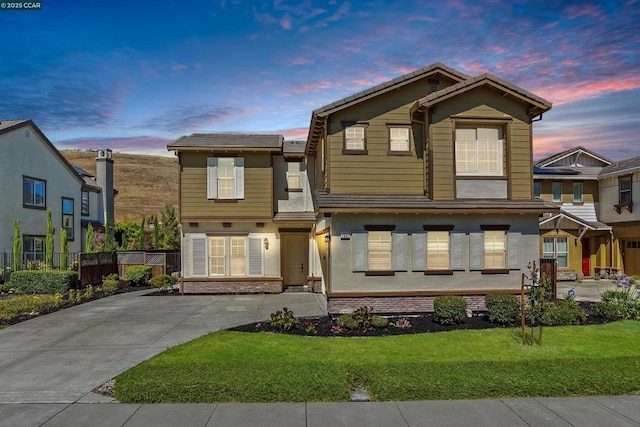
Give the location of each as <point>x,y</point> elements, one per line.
<point>260,367</point>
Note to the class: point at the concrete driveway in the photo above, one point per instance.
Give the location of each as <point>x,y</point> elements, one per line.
<point>61,357</point>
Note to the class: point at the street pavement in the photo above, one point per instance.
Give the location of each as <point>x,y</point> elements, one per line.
<point>50,364</point>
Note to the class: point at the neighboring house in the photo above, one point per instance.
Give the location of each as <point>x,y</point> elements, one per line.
<point>35,178</point>
<point>422,186</point>
<point>577,236</point>
<point>619,185</point>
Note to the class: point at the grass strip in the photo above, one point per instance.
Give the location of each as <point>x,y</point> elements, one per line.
<point>241,367</point>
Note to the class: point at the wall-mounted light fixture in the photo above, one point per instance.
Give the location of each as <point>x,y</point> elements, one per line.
<point>327,238</point>
<point>266,243</point>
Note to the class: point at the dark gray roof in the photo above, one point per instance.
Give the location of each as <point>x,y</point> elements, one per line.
<point>294,216</point>
<point>226,141</point>
<point>622,167</point>
<point>568,172</point>
<point>434,97</point>
<point>392,84</point>
<point>83,173</point>
<point>294,147</point>
<point>8,124</point>
<point>356,203</point>
<point>568,152</point>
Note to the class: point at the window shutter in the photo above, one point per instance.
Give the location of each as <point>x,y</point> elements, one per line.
<point>399,252</point>
<point>456,260</point>
<point>256,263</point>
<point>212,178</point>
<point>359,251</point>
<point>198,256</point>
<point>419,256</point>
<point>513,240</point>
<point>238,176</point>
<point>476,251</point>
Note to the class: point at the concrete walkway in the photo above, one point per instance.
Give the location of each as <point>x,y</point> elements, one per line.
<point>49,365</point>
<point>587,289</point>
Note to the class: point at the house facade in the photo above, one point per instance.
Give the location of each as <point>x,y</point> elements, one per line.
<point>418,187</point>
<point>37,178</point>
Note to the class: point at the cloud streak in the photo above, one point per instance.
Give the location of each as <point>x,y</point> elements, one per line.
<point>190,118</point>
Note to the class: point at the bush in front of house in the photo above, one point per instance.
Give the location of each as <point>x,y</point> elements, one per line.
<point>164,282</point>
<point>620,303</point>
<point>138,275</point>
<point>450,309</point>
<point>503,309</point>
<point>110,284</point>
<point>43,281</point>
<point>563,312</point>
<point>362,318</point>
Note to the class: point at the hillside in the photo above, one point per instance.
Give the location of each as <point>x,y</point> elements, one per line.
<point>144,183</point>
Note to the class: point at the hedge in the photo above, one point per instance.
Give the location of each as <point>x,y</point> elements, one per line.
<point>43,281</point>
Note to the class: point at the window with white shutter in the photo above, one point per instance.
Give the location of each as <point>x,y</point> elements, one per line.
<point>438,250</point>
<point>399,139</point>
<point>237,256</point>
<point>225,178</point>
<point>354,138</point>
<point>479,151</point>
<point>379,250</point>
<point>217,259</point>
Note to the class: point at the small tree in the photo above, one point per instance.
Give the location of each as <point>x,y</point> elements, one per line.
<point>156,233</point>
<point>170,232</point>
<point>108,245</point>
<point>49,241</point>
<point>17,245</point>
<point>64,249</point>
<point>142,236</point>
<point>89,241</point>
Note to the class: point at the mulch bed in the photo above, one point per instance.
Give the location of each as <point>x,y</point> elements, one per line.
<point>423,323</point>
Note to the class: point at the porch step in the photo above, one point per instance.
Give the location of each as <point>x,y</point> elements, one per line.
<point>296,288</point>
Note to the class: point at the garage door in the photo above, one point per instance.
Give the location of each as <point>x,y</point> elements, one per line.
<point>632,257</point>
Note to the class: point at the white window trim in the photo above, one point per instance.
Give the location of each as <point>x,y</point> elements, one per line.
<point>378,249</point>
<point>405,141</point>
<point>438,250</point>
<point>355,142</point>
<point>499,153</point>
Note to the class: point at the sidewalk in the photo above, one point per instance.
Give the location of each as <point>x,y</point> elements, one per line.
<point>577,411</point>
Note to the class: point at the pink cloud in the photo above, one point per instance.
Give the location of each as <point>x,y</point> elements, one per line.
<point>313,86</point>
<point>577,11</point>
<point>563,93</point>
<point>294,133</point>
<point>571,63</point>
<point>285,23</point>
<point>300,60</point>
<point>178,67</point>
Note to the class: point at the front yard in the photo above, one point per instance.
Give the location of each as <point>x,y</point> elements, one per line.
<point>264,367</point>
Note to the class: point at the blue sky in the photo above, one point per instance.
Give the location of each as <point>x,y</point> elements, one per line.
<point>133,76</point>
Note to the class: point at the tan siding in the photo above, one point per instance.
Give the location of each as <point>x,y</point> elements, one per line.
<point>521,161</point>
<point>442,162</point>
<point>257,202</point>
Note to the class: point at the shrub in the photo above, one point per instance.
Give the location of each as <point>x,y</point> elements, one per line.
<point>503,308</point>
<point>28,304</point>
<point>450,309</point>
<point>283,319</point>
<point>138,275</point>
<point>43,281</point>
<point>379,321</point>
<point>563,312</point>
<point>110,284</point>
<point>347,321</point>
<point>623,303</point>
<point>164,282</point>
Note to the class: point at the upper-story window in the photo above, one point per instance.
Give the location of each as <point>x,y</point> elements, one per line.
<point>556,191</point>
<point>67,216</point>
<point>35,192</point>
<point>624,184</point>
<point>294,177</point>
<point>479,151</point>
<point>84,203</point>
<point>399,141</point>
<point>225,178</point>
<point>355,139</point>
<point>577,192</point>
<point>537,189</point>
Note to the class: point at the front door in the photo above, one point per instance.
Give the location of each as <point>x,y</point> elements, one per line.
<point>586,257</point>
<point>294,259</point>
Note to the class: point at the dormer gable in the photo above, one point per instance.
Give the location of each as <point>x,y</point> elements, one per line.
<point>574,157</point>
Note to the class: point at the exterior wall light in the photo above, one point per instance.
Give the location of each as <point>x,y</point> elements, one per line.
<point>266,243</point>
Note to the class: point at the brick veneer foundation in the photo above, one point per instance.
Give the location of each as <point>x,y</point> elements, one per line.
<point>233,287</point>
<point>400,304</point>
<point>314,284</point>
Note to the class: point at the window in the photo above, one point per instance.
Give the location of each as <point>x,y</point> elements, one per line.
<point>438,250</point>
<point>33,247</point>
<point>399,139</point>
<point>379,249</point>
<point>229,256</point>
<point>479,151</point>
<point>537,189</point>
<point>225,178</point>
<point>294,182</point>
<point>238,256</point>
<point>556,189</point>
<point>354,138</point>
<point>624,184</point>
<point>35,194</point>
<point>494,249</point>
<point>217,256</point>
<point>84,203</point>
<point>558,248</point>
<point>577,192</point>
<point>67,216</point>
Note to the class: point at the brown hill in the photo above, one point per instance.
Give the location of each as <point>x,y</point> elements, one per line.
<point>145,184</point>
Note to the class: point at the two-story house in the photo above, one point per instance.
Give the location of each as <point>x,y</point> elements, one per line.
<point>619,185</point>
<point>424,187</point>
<point>580,241</point>
<point>35,178</point>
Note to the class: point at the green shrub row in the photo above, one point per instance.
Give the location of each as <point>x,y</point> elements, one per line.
<point>138,275</point>
<point>26,304</point>
<point>450,309</point>
<point>503,309</point>
<point>43,281</point>
<point>164,282</point>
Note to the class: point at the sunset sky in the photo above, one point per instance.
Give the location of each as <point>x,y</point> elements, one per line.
<point>134,75</point>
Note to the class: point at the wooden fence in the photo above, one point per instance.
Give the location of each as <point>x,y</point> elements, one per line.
<point>92,266</point>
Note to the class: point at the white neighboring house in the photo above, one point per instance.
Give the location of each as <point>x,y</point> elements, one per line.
<point>34,177</point>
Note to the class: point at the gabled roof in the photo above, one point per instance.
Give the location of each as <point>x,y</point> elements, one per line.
<point>589,225</point>
<point>623,167</point>
<point>293,148</point>
<point>227,142</point>
<point>11,125</point>
<point>579,151</point>
<point>318,117</point>
<point>538,105</point>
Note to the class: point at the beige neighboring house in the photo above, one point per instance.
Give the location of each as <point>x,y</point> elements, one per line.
<point>418,187</point>
<point>35,178</point>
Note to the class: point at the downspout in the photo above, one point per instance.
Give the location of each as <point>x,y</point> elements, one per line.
<point>612,249</point>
